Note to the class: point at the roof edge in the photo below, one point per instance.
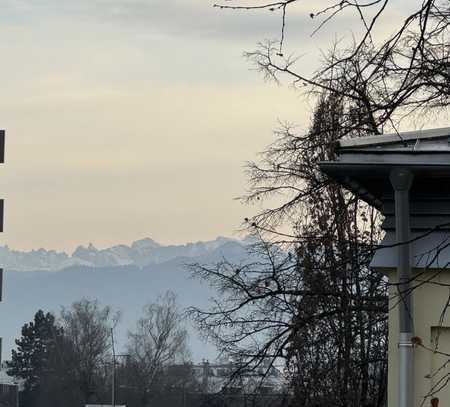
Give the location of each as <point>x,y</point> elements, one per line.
<point>394,137</point>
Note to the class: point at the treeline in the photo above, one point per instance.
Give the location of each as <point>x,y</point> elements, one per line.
<point>67,359</point>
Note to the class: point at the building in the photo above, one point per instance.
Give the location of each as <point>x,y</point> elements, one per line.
<point>9,389</point>
<point>406,176</point>
<point>216,377</point>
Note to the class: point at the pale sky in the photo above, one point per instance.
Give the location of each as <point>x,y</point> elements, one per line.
<point>134,118</point>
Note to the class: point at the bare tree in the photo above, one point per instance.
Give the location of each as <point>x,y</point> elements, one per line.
<point>310,298</point>
<point>306,299</point>
<point>158,340</point>
<point>87,328</point>
<point>388,75</point>
<point>378,79</point>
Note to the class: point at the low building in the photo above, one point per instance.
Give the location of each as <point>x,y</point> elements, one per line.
<point>217,377</point>
<point>9,389</point>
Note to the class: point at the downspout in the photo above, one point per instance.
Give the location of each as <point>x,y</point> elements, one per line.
<point>401,180</point>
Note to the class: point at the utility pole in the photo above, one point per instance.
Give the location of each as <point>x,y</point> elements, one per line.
<point>113,374</point>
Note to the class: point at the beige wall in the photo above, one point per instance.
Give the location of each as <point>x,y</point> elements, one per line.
<point>429,301</point>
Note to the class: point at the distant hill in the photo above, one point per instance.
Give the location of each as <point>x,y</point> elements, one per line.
<point>125,277</point>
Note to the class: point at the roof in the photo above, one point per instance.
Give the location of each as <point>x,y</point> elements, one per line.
<point>364,164</point>
<point>438,138</point>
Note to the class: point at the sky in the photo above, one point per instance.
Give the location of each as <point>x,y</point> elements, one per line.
<point>134,118</point>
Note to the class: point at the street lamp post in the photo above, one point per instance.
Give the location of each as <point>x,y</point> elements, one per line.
<point>113,373</point>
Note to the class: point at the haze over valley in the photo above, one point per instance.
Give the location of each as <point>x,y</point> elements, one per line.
<point>126,277</point>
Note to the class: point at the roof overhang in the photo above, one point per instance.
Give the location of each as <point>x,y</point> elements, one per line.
<point>395,138</point>
<point>364,164</point>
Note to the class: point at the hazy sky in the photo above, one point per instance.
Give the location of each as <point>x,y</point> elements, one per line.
<point>133,118</point>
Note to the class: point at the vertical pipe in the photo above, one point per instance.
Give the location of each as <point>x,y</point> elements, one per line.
<point>401,180</point>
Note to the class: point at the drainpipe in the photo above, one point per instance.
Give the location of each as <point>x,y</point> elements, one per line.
<point>401,180</point>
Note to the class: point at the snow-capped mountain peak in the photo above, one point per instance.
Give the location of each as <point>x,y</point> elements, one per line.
<point>140,253</point>
<point>145,243</point>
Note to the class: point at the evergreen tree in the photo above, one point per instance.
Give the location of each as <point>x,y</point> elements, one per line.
<point>35,349</point>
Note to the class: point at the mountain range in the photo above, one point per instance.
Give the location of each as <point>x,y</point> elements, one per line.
<point>123,277</point>
<point>140,253</point>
